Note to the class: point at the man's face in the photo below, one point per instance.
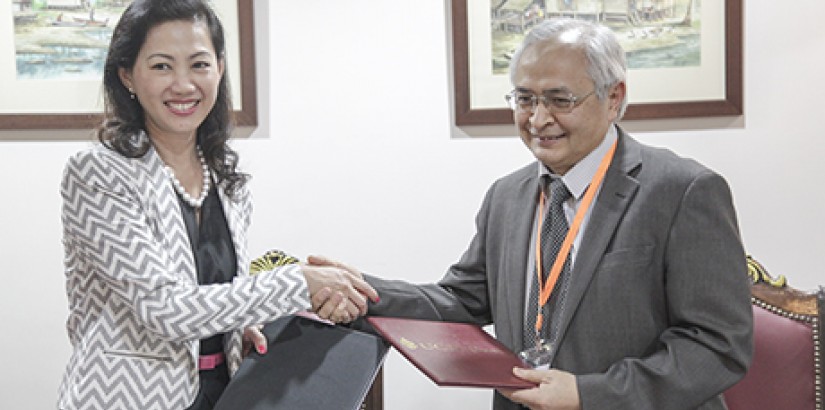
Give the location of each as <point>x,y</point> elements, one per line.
<point>560,140</point>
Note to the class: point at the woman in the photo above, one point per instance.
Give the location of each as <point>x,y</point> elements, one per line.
<point>155,220</point>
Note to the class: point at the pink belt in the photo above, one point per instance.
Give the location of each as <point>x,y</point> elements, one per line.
<point>210,361</point>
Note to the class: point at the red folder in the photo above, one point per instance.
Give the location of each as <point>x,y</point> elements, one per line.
<point>452,354</point>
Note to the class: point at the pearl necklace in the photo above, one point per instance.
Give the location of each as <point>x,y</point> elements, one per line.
<point>194,203</point>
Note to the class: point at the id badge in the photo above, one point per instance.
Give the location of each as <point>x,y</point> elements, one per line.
<point>538,356</point>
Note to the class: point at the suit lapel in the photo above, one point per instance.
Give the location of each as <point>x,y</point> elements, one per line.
<point>517,249</point>
<point>233,218</point>
<point>164,211</point>
<point>615,196</point>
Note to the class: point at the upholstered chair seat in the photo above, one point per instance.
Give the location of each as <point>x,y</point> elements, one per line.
<point>786,372</point>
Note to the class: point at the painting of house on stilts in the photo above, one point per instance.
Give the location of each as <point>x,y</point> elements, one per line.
<point>654,33</point>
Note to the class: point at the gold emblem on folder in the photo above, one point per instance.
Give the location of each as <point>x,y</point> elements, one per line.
<point>408,343</point>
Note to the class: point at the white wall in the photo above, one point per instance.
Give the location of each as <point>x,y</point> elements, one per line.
<point>356,158</point>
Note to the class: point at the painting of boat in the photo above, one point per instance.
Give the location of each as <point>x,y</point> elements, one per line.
<point>79,21</point>
<point>63,39</point>
<point>91,23</point>
<point>24,18</point>
<point>60,22</point>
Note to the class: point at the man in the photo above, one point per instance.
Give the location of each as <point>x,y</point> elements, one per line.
<point>652,310</point>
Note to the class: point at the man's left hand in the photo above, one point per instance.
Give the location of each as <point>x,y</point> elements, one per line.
<point>557,390</point>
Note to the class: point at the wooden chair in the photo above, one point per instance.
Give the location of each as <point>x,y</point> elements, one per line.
<point>786,371</point>
<point>375,397</point>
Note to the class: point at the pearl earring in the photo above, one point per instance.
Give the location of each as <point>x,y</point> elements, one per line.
<point>131,93</point>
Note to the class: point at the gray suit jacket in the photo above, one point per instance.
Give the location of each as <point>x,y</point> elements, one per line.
<point>658,312</point>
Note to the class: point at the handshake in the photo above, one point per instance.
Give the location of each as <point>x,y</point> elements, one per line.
<point>337,292</point>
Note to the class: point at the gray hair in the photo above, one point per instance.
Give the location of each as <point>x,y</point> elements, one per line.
<point>606,66</point>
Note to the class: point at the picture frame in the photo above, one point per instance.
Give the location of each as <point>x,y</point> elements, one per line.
<point>471,78</point>
<point>240,37</point>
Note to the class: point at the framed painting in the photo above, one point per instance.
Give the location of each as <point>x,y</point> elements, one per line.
<point>54,53</point>
<point>684,56</point>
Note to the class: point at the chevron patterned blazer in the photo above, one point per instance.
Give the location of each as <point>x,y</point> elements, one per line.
<point>136,311</point>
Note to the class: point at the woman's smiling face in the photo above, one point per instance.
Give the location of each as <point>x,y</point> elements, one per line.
<point>175,78</point>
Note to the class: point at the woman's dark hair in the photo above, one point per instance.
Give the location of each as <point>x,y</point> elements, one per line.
<point>124,117</point>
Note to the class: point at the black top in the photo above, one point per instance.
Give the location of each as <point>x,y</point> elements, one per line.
<point>213,248</point>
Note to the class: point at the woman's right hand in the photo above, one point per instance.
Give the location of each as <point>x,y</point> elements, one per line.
<point>338,292</point>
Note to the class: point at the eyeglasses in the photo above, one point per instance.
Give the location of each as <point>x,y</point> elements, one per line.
<point>555,101</point>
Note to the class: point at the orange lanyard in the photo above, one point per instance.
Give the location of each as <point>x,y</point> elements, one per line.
<point>555,270</point>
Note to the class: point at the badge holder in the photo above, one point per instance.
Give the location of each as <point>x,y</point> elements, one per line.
<point>538,356</point>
